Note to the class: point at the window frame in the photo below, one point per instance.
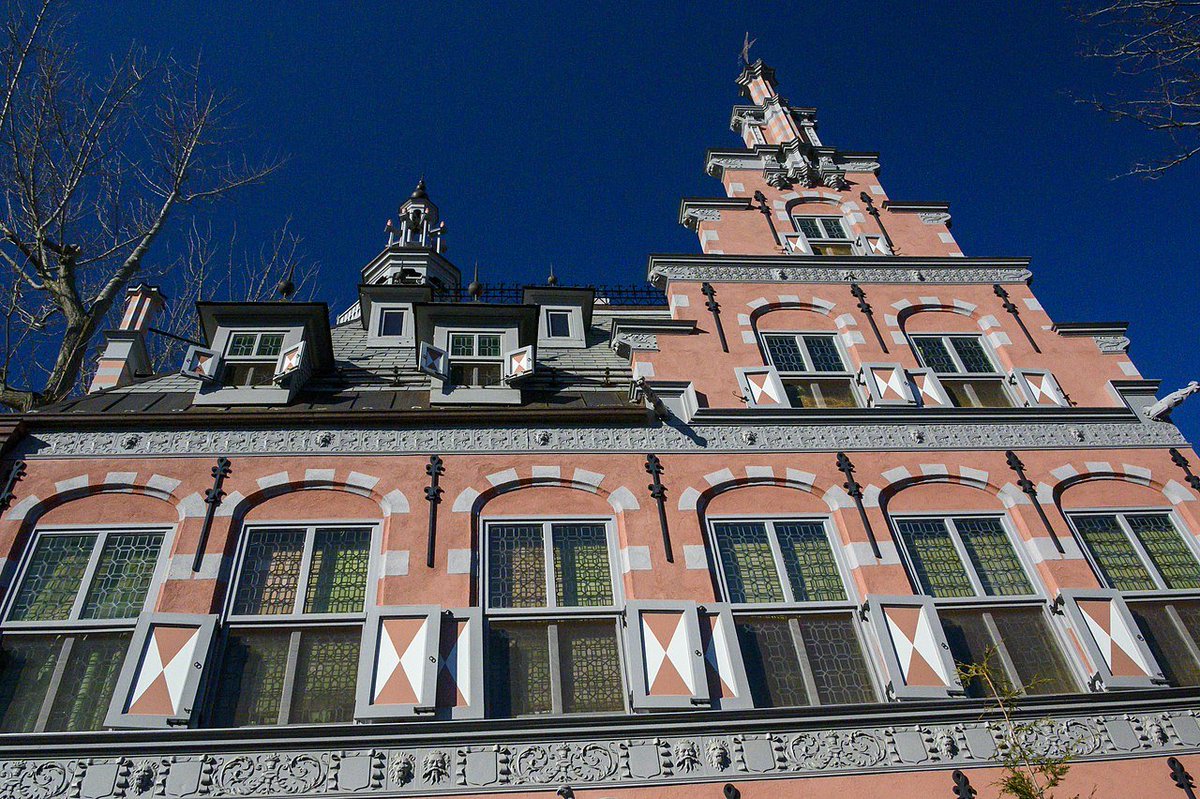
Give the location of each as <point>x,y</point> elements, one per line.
<point>1039,592</point>
<point>74,626</point>
<point>1139,549</point>
<point>268,361</point>
<point>811,374</point>
<point>789,602</point>
<point>552,615</point>
<point>847,239</point>
<point>559,313</point>
<point>452,359</point>
<point>997,375</point>
<point>296,622</point>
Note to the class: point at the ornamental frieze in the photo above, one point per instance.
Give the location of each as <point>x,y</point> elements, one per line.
<point>582,439</point>
<point>832,274</point>
<point>386,771</point>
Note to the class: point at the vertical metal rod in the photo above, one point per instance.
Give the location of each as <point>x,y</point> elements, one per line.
<point>659,493</point>
<point>962,785</point>
<point>715,307</point>
<point>1027,486</point>
<point>1176,458</point>
<point>212,499</point>
<point>865,307</point>
<point>873,211</point>
<point>10,483</point>
<point>433,495</point>
<point>1183,780</point>
<point>1012,309</point>
<point>761,199</point>
<point>855,490</point>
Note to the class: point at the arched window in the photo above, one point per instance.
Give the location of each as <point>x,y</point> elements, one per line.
<point>294,618</point>
<point>804,347</point>
<point>552,599</point>
<point>952,347</point>
<point>70,619</point>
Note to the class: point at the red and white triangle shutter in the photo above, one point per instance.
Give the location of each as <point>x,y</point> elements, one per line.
<point>914,648</point>
<point>201,363</point>
<point>667,658</point>
<point>927,390</point>
<point>433,361</point>
<point>886,384</point>
<point>160,678</point>
<point>460,664</point>
<point>519,363</point>
<point>398,663</point>
<point>728,687</point>
<point>1109,635</point>
<point>1039,388</point>
<point>762,387</point>
<point>291,360</point>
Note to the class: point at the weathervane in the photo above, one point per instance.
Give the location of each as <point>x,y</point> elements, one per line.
<point>747,43</point>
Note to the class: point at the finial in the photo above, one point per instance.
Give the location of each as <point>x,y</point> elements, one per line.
<point>551,280</point>
<point>747,43</point>
<point>419,191</point>
<point>475,288</point>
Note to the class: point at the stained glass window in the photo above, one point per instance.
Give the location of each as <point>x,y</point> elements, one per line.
<point>253,672</point>
<point>749,552</point>
<point>954,354</point>
<point>804,660</point>
<point>972,355</point>
<point>579,563</point>
<point>1015,643</point>
<point>934,558</point>
<point>1114,553</point>
<point>326,674</point>
<point>539,667</point>
<point>270,574</point>
<point>1170,555</point>
<point>78,695</point>
<point>785,353</point>
<point>933,547</point>
<point>823,353</point>
<point>807,352</point>
<point>821,227</point>
<point>52,578</point>
<point>809,227</point>
<point>935,355</point>
<point>337,580</point>
<point>123,576</point>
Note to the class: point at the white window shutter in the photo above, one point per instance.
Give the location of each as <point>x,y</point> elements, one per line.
<point>519,363</point>
<point>290,361</point>
<point>160,679</point>
<point>1039,388</point>
<point>201,363</point>
<point>433,361</point>
<point>914,648</point>
<point>398,663</point>
<point>762,387</point>
<point>666,655</point>
<point>886,383</point>
<point>728,686</point>
<point>460,685</point>
<point>927,389</point>
<point>1117,652</point>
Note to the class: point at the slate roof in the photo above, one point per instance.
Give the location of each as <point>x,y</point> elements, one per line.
<point>369,378</point>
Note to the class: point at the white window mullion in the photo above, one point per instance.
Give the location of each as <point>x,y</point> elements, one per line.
<point>777,556</point>
<point>548,556</point>
<point>89,574</point>
<point>968,566</point>
<point>310,536</point>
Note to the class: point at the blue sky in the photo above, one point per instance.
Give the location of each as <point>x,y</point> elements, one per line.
<point>567,132</point>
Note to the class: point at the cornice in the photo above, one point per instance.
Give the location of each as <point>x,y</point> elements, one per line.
<point>834,269</point>
<point>447,758</point>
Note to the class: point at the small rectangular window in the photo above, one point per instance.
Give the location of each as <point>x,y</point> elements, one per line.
<point>962,557</point>
<point>558,324</point>
<point>477,375</point>
<point>753,554</point>
<point>1138,551</point>
<point>1172,631</point>
<point>462,345</point>
<point>391,322</point>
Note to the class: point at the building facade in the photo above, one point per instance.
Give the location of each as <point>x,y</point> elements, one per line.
<point>736,531</point>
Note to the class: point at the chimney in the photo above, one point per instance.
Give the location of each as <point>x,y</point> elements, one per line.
<point>124,355</point>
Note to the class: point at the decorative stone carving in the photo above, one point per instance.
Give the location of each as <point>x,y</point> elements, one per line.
<point>24,779</point>
<point>1162,409</point>
<point>860,166</point>
<point>266,774</point>
<point>130,441</point>
<point>687,758</point>
<point>718,755</point>
<point>435,768</point>
<point>557,764</point>
<point>933,217</point>
<point>1112,345</point>
<point>825,274</point>
<point>693,216</point>
<point>624,342</point>
<point>402,769</point>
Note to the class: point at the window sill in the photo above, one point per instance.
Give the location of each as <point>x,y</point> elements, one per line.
<point>468,395</point>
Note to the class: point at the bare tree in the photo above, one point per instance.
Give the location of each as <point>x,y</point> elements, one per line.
<point>94,173</point>
<point>1155,45</point>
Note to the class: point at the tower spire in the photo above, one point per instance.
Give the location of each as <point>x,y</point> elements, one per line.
<point>419,224</point>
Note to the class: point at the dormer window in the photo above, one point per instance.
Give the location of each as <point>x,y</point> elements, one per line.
<point>826,235</point>
<point>476,359</point>
<point>391,322</point>
<point>251,357</point>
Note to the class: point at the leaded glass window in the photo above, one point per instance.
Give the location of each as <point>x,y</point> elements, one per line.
<point>812,369</point>
<point>564,666</point>
<point>1138,551</point>
<point>965,370</point>
<point>251,357</point>
<point>118,568</point>
<point>804,660</point>
<point>549,564</point>
<point>1172,631</point>
<point>821,227</point>
<point>58,682</point>
<point>1017,644</point>
<point>962,556</point>
<point>304,589</point>
<point>754,554</point>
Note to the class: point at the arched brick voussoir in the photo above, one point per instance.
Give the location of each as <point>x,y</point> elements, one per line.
<point>31,507</point>
<point>900,478</point>
<point>718,482</point>
<point>269,486</point>
<point>472,498</point>
<point>1070,474</point>
<point>781,302</point>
